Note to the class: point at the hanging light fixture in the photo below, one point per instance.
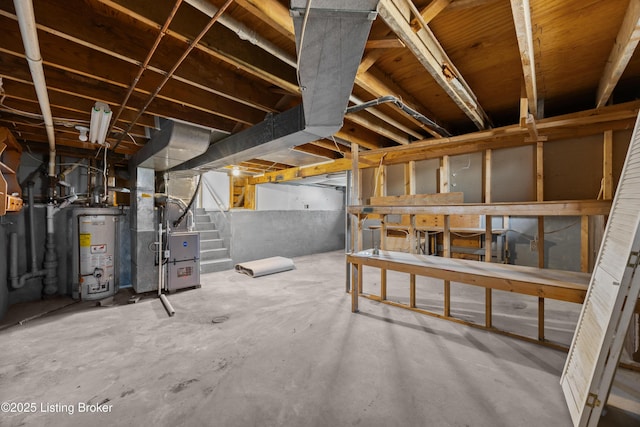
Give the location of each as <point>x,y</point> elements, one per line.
<point>100,118</point>
<point>83,136</point>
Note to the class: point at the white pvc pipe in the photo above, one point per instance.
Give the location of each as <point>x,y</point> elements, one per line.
<point>27,22</point>
<point>244,32</point>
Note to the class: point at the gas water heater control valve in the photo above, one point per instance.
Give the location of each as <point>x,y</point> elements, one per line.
<point>98,273</point>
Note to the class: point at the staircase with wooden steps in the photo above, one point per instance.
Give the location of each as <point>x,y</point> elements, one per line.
<point>214,256</point>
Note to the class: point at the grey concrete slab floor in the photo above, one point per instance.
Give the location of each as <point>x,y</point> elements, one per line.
<point>285,350</point>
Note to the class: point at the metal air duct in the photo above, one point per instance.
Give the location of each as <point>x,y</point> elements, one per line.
<point>330,38</point>
<point>175,143</point>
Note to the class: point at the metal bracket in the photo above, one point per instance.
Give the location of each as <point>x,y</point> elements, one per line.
<point>592,400</point>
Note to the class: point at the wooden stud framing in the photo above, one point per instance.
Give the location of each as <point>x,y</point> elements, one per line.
<point>607,166</point>
<point>356,279</point>
<point>446,252</point>
<point>584,243</point>
<point>488,238</point>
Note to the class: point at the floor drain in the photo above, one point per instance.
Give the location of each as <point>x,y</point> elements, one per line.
<point>220,319</point>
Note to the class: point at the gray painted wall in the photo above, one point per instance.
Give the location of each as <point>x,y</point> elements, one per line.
<point>263,234</point>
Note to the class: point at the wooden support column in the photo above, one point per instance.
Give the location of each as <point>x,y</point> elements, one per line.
<point>410,177</point>
<point>488,238</point>
<point>488,235</point>
<point>446,252</point>
<point>444,174</point>
<point>486,182</point>
<point>356,279</point>
<point>412,290</point>
<point>607,166</point>
<point>383,246</point>
<point>356,197</point>
<point>540,198</point>
<point>446,236</point>
<point>584,243</point>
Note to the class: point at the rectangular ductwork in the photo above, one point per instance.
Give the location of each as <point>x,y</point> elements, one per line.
<point>175,143</point>
<point>330,45</point>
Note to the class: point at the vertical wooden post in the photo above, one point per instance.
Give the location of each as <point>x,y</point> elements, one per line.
<point>488,235</point>
<point>584,243</point>
<point>446,252</point>
<point>383,284</point>
<point>607,166</point>
<point>540,198</point>
<point>444,174</point>
<point>356,197</point>
<point>446,235</point>
<point>410,177</point>
<point>487,181</point>
<point>356,279</point>
<point>412,290</point>
<point>487,257</point>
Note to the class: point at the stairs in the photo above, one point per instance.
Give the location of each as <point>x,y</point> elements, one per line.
<point>213,254</point>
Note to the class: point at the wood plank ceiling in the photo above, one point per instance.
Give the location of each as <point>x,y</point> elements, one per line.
<point>465,64</point>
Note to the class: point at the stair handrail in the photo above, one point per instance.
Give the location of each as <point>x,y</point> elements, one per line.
<point>215,197</point>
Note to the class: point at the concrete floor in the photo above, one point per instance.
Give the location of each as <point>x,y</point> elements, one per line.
<point>284,350</point>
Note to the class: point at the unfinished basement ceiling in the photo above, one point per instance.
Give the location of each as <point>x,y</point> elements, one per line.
<point>92,50</point>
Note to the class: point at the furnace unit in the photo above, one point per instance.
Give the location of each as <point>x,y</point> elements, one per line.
<point>183,262</point>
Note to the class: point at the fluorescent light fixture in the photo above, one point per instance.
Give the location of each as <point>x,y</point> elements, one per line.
<point>100,118</point>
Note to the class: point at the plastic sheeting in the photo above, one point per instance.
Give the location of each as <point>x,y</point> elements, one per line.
<point>262,267</point>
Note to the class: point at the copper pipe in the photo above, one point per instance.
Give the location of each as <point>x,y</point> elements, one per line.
<point>192,45</point>
<point>144,67</point>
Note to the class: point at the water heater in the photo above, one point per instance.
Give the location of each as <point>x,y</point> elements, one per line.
<point>96,254</point>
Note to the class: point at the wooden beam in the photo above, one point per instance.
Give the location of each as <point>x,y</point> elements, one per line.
<point>607,166</point>
<point>507,136</point>
<point>547,208</point>
<point>521,12</point>
<point>386,43</point>
<point>244,56</point>
<point>433,9</point>
<point>427,49</point>
<point>622,52</point>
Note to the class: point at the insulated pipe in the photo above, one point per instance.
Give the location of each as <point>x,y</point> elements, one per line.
<point>27,23</point>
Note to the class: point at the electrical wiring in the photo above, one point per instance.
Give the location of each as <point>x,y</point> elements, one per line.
<point>336,144</point>
<point>302,33</point>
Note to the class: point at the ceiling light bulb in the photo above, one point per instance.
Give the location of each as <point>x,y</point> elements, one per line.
<point>83,133</point>
<point>235,171</point>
